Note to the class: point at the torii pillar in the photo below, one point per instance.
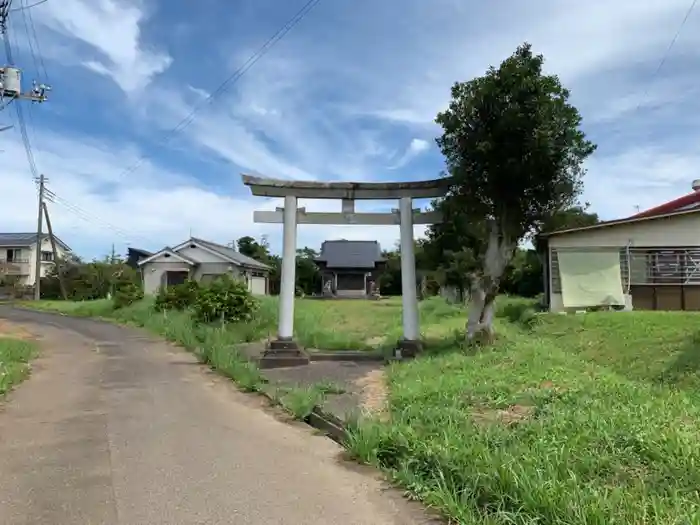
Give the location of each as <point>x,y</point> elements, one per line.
<point>284,351</point>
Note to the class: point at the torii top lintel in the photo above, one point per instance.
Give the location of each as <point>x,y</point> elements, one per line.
<point>426,189</point>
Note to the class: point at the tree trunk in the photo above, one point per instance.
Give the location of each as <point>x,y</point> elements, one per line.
<point>482,307</point>
<point>482,303</point>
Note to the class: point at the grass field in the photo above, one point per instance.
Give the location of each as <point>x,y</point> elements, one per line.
<point>319,324</point>
<point>583,419</point>
<point>16,350</point>
<point>590,419</point>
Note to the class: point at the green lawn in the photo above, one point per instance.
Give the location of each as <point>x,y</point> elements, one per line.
<point>588,419</point>
<point>657,347</point>
<point>319,324</point>
<point>14,361</point>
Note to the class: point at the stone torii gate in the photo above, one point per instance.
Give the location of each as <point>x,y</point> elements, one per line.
<point>284,351</point>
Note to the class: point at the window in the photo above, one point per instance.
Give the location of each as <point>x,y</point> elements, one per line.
<point>47,256</point>
<point>14,255</point>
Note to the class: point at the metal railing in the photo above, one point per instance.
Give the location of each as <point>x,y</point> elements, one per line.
<point>16,260</point>
<point>648,266</point>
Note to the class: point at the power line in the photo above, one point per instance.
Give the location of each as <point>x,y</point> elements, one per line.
<point>29,40</point>
<point>36,41</point>
<point>20,111</point>
<point>30,30</point>
<point>39,64</point>
<point>232,79</point>
<point>27,7</point>
<point>666,54</point>
<point>79,212</point>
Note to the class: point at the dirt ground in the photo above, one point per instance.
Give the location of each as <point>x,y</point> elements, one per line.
<point>373,393</point>
<point>15,330</point>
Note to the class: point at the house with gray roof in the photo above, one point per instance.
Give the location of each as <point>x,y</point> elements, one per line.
<point>202,261</point>
<point>349,268</point>
<point>18,256</point>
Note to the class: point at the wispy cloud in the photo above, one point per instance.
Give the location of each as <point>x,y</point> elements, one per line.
<point>415,148</point>
<point>111,31</point>
<point>349,94</point>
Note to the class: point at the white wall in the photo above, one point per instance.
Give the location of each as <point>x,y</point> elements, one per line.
<point>28,277</point>
<point>677,231</point>
<point>257,285</point>
<point>209,264</point>
<point>557,303</point>
<point>216,268</point>
<point>153,273</point>
<point>670,232</point>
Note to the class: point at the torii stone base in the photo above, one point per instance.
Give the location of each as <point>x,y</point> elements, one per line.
<point>279,354</point>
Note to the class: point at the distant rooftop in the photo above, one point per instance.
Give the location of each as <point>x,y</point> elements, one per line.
<point>350,254</point>
<point>232,254</point>
<point>23,239</point>
<point>687,202</point>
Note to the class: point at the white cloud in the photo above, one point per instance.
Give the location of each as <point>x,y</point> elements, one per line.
<point>112,30</point>
<point>272,124</point>
<point>639,177</point>
<point>579,42</point>
<point>341,97</point>
<point>415,148</point>
<point>150,209</point>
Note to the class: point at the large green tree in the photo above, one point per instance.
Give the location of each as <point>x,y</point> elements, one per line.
<point>514,150</point>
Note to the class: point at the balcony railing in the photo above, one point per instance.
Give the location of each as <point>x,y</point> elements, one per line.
<point>17,266</point>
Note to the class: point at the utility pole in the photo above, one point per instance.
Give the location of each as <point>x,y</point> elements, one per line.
<point>56,259</point>
<point>39,235</point>
<point>10,75</point>
<point>112,256</point>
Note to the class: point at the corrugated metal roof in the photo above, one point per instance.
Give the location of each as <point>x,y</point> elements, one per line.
<point>685,202</point>
<point>139,251</point>
<point>17,239</point>
<point>350,254</point>
<point>231,254</point>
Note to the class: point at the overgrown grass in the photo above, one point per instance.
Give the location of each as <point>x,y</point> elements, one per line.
<point>300,401</point>
<point>97,308</point>
<point>562,423</point>
<point>15,355</point>
<point>657,347</point>
<point>319,324</point>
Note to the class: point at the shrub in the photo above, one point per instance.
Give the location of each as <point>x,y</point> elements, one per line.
<point>88,281</point>
<point>127,295</point>
<point>224,299</point>
<point>177,297</point>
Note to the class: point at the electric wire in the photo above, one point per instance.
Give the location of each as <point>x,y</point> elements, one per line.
<point>79,212</point>
<point>50,195</point>
<point>39,66</point>
<point>43,72</point>
<point>665,56</point>
<point>27,7</point>
<point>29,40</point>
<point>22,125</point>
<point>231,79</point>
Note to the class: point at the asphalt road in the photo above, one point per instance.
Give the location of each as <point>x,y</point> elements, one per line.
<point>114,427</point>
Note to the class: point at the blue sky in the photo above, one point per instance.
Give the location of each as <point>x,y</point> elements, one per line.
<point>349,94</point>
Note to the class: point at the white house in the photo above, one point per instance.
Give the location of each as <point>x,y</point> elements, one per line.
<point>202,261</point>
<point>650,261</point>
<point>18,256</point>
